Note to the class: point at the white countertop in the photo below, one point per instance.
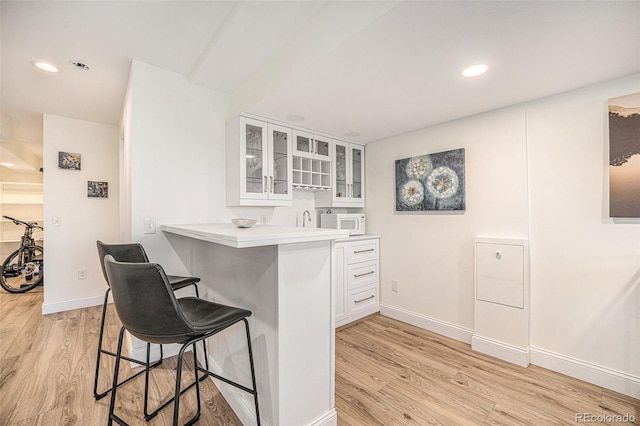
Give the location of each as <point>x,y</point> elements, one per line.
<point>258,235</point>
<point>357,238</point>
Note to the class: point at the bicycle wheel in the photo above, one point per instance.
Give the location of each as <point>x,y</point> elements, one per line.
<point>23,269</point>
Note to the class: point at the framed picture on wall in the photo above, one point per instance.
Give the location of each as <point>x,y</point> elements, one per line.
<point>624,156</point>
<point>97,189</point>
<point>431,182</point>
<point>68,160</point>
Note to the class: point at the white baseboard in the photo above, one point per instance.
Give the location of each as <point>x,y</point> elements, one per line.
<point>437,326</point>
<point>617,381</point>
<point>614,380</point>
<point>500,350</point>
<point>330,418</point>
<point>67,305</point>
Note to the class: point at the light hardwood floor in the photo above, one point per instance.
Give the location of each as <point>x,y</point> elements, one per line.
<point>391,373</point>
<point>387,373</point>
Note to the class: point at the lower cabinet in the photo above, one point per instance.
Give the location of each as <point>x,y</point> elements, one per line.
<point>357,279</point>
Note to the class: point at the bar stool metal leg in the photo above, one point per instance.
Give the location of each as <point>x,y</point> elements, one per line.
<point>253,373</point>
<point>99,395</point>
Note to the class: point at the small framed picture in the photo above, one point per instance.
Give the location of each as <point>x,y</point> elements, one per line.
<point>68,160</point>
<point>97,189</point>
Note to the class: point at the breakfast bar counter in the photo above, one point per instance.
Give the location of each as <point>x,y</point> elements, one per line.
<point>284,275</point>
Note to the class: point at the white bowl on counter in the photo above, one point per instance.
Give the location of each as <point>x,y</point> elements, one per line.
<point>243,223</point>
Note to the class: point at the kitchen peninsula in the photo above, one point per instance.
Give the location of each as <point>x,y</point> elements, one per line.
<point>284,275</point>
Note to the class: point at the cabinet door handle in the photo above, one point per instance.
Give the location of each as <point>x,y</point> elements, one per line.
<point>273,185</point>
<point>364,274</point>
<point>363,251</point>
<point>365,299</point>
<point>265,184</point>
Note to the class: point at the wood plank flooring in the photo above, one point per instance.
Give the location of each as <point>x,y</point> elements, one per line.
<point>391,373</point>
<point>47,366</point>
<point>387,373</point>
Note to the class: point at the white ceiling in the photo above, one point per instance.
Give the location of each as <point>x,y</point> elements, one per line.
<point>378,68</point>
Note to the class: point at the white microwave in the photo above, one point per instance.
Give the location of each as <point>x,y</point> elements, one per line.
<point>353,222</point>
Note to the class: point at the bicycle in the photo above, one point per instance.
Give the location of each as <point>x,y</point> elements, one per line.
<point>23,269</point>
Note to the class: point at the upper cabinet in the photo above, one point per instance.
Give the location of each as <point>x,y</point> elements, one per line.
<point>309,145</point>
<point>348,179</point>
<point>266,160</point>
<point>259,163</point>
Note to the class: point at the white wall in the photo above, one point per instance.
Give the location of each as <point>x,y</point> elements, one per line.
<point>585,269</point>
<point>84,220</point>
<point>537,171</point>
<point>431,255</point>
<point>172,126</point>
<point>175,143</point>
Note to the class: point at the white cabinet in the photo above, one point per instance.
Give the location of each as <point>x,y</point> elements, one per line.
<point>259,163</point>
<point>310,145</point>
<point>348,177</point>
<point>357,280</point>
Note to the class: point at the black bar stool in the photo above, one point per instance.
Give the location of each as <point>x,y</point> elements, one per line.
<point>148,309</point>
<point>132,252</point>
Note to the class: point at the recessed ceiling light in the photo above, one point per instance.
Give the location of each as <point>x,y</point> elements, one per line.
<point>293,117</point>
<point>352,134</point>
<point>475,70</point>
<point>45,66</point>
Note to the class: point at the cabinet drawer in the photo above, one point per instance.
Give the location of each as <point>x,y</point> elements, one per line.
<point>361,274</point>
<point>361,251</point>
<point>363,301</point>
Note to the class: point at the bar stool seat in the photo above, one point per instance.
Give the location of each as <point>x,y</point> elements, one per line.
<point>149,310</point>
<point>134,253</point>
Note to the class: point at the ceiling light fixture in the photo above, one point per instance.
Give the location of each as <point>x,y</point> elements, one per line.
<point>79,65</point>
<point>293,117</point>
<point>475,70</point>
<point>6,164</point>
<point>45,66</point>
<point>352,134</point>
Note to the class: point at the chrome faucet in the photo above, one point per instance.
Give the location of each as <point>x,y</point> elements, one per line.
<point>306,214</point>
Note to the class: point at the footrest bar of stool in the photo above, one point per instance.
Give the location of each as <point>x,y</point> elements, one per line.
<point>167,402</point>
<point>227,381</point>
<point>137,361</point>
<point>118,420</point>
<point>99,396</point>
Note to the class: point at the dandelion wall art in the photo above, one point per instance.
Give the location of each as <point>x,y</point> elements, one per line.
<point>431,182</point>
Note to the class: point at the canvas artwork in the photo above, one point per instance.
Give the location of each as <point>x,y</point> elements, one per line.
<point>97,189</point>
<point>431,182</point>
<point>68,160</point>
<point>624,156</point>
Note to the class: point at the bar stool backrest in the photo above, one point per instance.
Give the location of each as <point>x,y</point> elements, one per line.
<point>125,252</point>
<point>145,302</point>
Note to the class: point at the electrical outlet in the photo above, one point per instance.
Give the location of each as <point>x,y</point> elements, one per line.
<point>56,221</point>
<point>395,286</point>
<point>82,274</point>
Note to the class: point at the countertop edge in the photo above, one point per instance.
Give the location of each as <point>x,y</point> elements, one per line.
<point>226,236</point>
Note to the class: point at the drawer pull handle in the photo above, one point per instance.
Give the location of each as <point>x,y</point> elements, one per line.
<point>365,299</point>
<point>364,274</point>
<point>363,251</point>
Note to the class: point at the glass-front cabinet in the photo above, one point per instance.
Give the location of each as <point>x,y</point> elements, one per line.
<point>348,179</point>
<point>259,169</point>
<point>266,160</point>
<point>309,145</point>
